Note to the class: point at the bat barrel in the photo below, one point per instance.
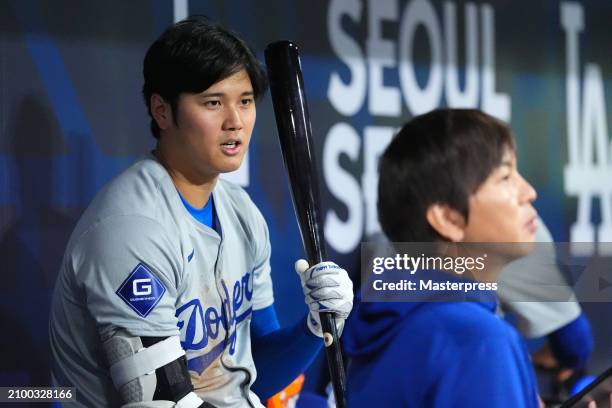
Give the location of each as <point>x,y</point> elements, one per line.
<point>295,133</point>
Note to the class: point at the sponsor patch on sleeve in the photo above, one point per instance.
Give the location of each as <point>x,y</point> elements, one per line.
<point>141,290</point>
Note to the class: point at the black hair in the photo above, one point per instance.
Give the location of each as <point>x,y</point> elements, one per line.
<point>440,157</point>
<point>191,56</point>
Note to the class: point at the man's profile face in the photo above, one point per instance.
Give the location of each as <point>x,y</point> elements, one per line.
<point>500,210</point>
<point>214,127</point>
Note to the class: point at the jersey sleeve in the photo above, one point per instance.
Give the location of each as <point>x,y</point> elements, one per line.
<point>128,269</point>
<point>263,295</point>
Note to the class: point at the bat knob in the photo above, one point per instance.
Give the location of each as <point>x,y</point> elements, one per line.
<point>301,265</point>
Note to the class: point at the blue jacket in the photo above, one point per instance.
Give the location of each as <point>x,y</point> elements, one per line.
<point>436,354</point>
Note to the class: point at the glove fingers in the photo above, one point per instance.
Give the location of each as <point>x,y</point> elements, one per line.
<point>340,310</point>
<point>322,283</point>
<point>323,268</point>
<point>323,294</point>
<point>330,280</point>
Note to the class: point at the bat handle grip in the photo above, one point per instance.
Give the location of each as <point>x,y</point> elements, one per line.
<point>334,357</point>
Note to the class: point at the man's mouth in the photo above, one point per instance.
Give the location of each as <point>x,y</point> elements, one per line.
<point>231,147</point>
<point>532,225</point>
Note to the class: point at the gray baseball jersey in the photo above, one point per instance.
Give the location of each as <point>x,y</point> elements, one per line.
<point>138,260</point>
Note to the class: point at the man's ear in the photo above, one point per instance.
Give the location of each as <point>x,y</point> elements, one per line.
<point>161,111</point>
<point>447,221</point>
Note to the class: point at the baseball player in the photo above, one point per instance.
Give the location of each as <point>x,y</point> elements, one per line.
<point>164,298</point>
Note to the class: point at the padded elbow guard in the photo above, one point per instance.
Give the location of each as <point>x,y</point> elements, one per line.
<point>150,371</point>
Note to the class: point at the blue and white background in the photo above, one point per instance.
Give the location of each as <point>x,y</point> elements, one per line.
<point>72,117</point>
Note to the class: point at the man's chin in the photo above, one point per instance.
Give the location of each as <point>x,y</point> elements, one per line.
<point>231,166</point>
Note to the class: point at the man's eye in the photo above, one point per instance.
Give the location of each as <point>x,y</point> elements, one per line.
<point>212,104</point>
<point>247,101</point>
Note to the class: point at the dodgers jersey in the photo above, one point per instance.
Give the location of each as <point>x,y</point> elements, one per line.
<point>137,260</point>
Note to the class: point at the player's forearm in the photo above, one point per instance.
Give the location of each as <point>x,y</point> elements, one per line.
<point>281,356</point>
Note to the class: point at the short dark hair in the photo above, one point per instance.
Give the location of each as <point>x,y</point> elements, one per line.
<point>440,157</point>
<point>191,56</point>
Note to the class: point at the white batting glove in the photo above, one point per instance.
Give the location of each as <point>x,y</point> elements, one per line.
<point>327,288</point>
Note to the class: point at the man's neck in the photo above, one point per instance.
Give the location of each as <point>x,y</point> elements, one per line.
<point>489,254</point>
<point>195,188</point>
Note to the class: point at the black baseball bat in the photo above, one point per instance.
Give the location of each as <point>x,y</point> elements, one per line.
<point>295,134</point>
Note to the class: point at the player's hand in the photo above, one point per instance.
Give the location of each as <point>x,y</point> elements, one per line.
<point>327,288</point>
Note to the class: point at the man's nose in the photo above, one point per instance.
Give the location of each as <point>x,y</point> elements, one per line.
<point>233,119</point>
<point>528,194</point>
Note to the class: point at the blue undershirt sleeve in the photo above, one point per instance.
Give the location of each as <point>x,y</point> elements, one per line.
<point>280,355</point>
<point>572,344</point>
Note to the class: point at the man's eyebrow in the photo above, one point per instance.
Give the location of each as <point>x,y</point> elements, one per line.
<point>220,94</point>
<point>211,94</point>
